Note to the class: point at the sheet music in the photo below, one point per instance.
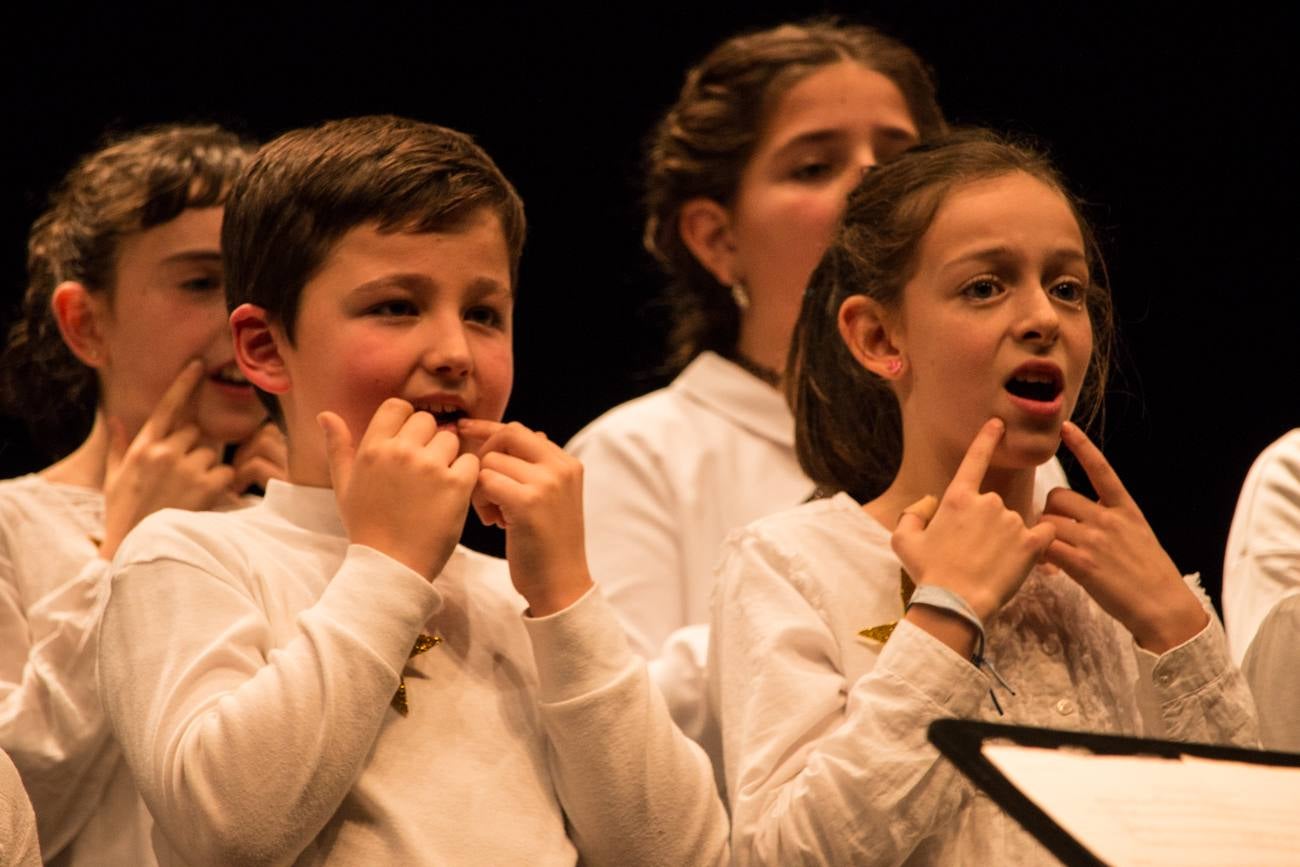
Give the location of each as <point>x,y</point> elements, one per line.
<point>1146,810</point>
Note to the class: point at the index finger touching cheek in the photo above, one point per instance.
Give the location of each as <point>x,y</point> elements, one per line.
<point>175,400</point>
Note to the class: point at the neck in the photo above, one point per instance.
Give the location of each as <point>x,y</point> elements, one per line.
<point>928,468</point>
<point>87,464</point>
<point>764,340</point>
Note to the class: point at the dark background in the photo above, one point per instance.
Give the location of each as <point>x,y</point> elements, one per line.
<point>1177,125</point>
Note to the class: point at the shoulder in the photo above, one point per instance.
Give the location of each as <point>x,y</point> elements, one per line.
<point>644,421</point>
<point>210,541</point>
<point>814,546</point>
<point>30,496</point>
<point>1268,510</point>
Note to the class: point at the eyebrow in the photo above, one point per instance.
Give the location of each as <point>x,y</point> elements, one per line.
<point>1003,252</point>
<point>186,256</point>
<point>822,136</point>
<point>423,283</point>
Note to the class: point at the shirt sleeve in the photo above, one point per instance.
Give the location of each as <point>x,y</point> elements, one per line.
<point>18,840</point>
<point>1270,669</point>
<point>51,723</point>
<point>1194,692</point>
<point>821,770</point>
<point>1262,561</point>
<point>634,788</point>
<point>242,746</point>
<point>634,549</point>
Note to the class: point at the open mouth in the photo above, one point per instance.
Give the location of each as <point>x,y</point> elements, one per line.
<point>444,414</point>
<point>229,374</point>
<point>1040,384</point>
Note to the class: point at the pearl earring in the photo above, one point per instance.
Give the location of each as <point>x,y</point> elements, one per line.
<point>740,295</point>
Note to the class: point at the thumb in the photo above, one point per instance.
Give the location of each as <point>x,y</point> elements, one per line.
<point>1043,534</point>
<point>338,448</point>
<point>907,536</point>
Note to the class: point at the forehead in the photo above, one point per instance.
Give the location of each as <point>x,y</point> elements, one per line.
<point>473,251</point>
<point>193,231</point>
<point>1015,210</point>
<point>843,95</point>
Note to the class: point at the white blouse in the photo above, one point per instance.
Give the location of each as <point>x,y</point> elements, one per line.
<point>824,731</point>
<point>668,476</point>
<point>1262,563</point>
<point>52,587</point>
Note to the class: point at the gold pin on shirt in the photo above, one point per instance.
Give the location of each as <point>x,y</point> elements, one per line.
<point>422,643</point>
<point>881,633</point>
<point>924,509</point>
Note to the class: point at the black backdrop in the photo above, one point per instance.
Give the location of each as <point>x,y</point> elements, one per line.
<point>1177,125</point>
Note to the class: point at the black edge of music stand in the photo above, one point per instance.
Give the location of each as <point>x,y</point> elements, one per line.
<point>960,741</point>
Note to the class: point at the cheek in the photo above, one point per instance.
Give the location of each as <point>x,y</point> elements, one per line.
<point>790,231</point>
<point>494,371</point>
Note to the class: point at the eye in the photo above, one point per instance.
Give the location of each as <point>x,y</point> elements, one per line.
<point>812,170</point>
<point>202,285</point>
<point>393,307</point>
<point>982,289</point>
<point>1068,291</point>
<point>482,314</point>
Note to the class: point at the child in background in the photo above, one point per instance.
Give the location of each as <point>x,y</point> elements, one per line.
<point>748,172</point>
<point>332,679</point>
<point>941,351</point>
<point>1261,589</point>
<point>123,366</point>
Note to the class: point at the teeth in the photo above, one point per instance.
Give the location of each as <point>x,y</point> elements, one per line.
<point>232,373</point>
<point>1036,377</point>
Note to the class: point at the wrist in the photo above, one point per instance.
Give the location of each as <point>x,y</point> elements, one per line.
<point>1172,625</point>
<point>554,597</point>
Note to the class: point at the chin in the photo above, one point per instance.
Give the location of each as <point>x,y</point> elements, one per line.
<point>231,427</point>
<point>1025,449</point>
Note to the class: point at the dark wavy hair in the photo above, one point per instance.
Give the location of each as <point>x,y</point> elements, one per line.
<point>701,146</point>
<point>132,183</point>
<point>848,431</point>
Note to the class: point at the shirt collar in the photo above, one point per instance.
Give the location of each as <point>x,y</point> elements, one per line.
<point>312,509</point>
<point>729,390</point>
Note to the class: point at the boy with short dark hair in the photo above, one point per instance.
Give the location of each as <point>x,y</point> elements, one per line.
<point>327,677</point>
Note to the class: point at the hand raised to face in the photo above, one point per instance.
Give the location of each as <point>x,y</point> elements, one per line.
<point>1108,547</point>
<point>974,545</point>
<point>165,466</point>
<point>533,489</point>
<point>405,488</point>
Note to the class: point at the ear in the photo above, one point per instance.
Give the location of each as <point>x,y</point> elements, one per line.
<point>81,316</point>
<point>705,229</point>
<point>870,334</point>
<point>257,348</point>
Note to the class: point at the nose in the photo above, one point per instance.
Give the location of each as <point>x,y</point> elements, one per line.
<point>447,354</point>
<point>1039,321</point>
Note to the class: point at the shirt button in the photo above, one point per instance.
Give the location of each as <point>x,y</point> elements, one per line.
<point>1164,678</point>
<point>1065,707</point>
<point>1051,646</point>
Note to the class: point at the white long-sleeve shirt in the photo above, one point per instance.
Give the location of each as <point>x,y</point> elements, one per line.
<point>667,477</point>
<point>52,584</point>
<point>824,731</point>
<point>1261,566</point>
<point>18,841</point>
<point>248,661</point>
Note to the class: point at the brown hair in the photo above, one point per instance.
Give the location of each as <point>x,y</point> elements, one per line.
<point>306,189</point>
<point>132,183</point>
<point>848,431</point>
<point>701,146</point>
